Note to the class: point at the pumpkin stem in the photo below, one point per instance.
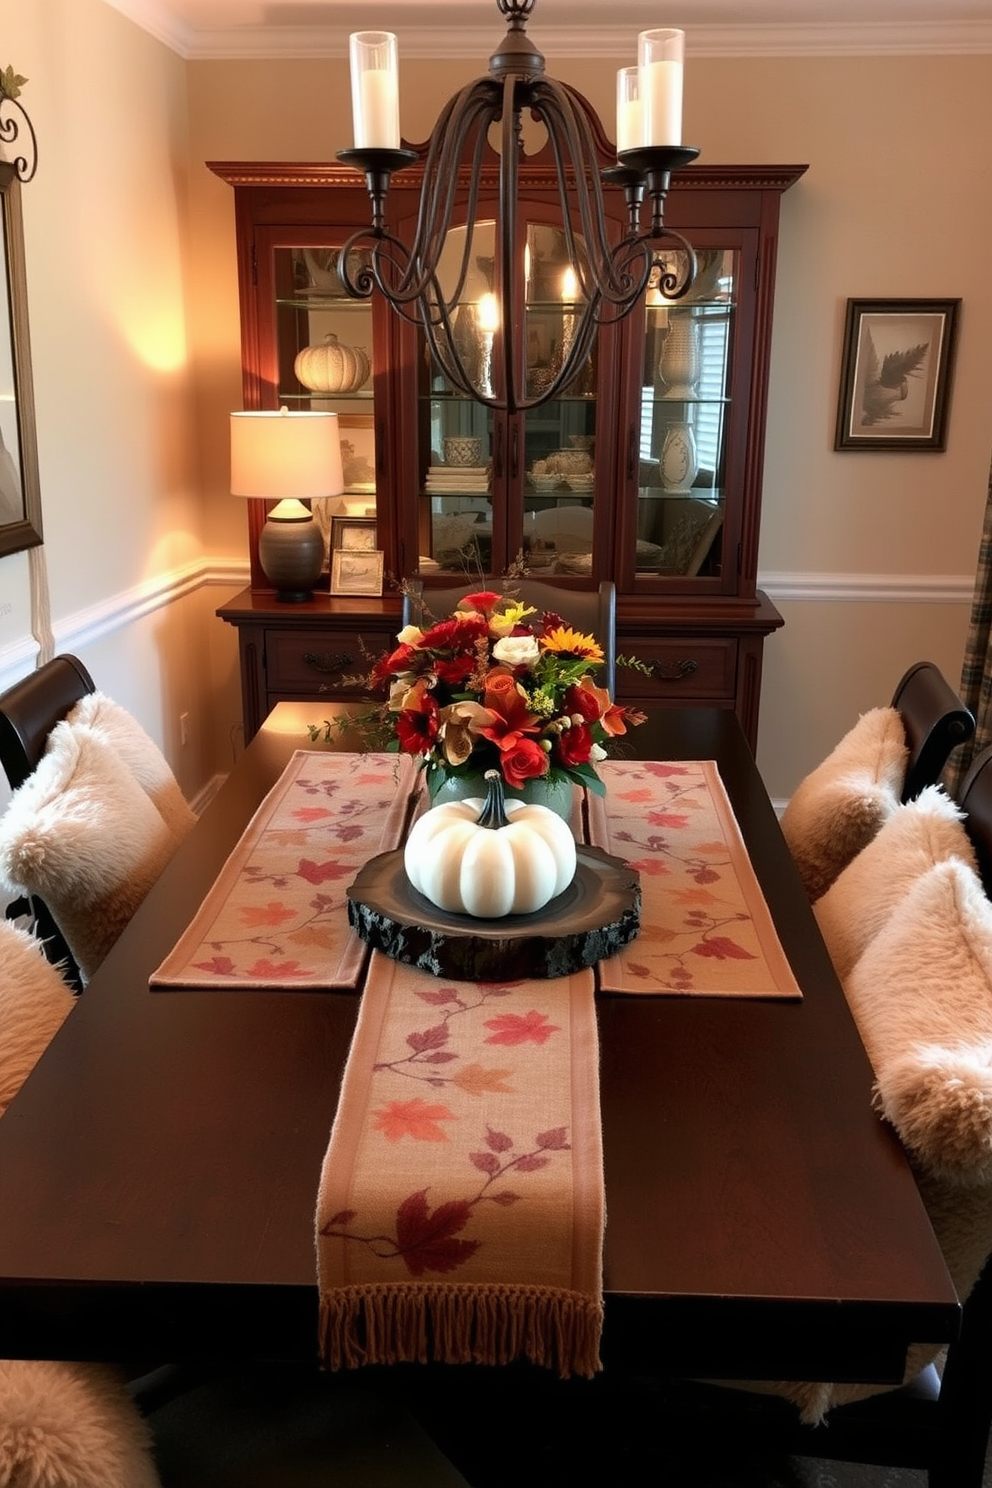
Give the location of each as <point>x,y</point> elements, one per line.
<point>494,807</point>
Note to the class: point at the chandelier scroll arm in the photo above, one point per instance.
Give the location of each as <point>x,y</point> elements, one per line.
<point>14,116</point>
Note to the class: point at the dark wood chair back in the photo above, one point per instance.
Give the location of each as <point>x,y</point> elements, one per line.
<point>592,611</point>
<point>28,712</point>
<point>32,707</point>
<point>936,722</point>
<point>975,799</point>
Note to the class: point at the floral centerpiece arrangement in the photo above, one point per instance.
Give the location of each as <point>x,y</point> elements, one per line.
<point>498,685</point>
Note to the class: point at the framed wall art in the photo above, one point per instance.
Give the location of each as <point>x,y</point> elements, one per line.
<point>20,487</point>
<point>356,572</point>
<point>895,374</point>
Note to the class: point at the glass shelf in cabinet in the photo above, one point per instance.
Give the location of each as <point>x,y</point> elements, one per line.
<point>319,299</point>
<point>673,400</point>
<point>362,396</point>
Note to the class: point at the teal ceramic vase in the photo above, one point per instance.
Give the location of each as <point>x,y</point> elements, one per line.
<point>557,795</point>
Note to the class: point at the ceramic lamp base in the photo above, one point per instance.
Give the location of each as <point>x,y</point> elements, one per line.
<point>291,553</point>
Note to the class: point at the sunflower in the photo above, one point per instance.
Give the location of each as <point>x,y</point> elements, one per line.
<point>564,641</point>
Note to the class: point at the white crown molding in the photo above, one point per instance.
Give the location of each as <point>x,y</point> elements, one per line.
<point>868,588</point>
<point>160,21</point>
<point>478,37</point>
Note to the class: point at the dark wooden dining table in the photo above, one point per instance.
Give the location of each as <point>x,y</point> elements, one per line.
<point>158,1171</point>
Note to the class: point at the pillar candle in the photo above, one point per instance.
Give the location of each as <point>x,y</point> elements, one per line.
<point>375,100</point>
<point>659,85</point>
<point>630,121</point>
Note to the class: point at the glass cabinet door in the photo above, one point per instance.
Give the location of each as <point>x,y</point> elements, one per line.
<point>684,417</point>
<point>492,486</point>
<point>559,437</point>
<point>322,357</point>
<point>455,435</point>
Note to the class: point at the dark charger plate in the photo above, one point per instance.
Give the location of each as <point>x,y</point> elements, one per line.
<point>591,920</point>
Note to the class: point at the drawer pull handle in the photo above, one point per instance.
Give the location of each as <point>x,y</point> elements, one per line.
<point>328,661</point>
<point>673,671</point>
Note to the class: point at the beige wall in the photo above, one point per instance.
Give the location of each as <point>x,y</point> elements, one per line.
<point>134,320</point>
<point>896,202</point>
<point>105,225</point>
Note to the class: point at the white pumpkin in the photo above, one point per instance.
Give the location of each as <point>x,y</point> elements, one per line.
<point>490,858</point>
<point>332,367</point>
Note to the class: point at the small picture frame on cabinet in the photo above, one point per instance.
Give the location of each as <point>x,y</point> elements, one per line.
<point>356,572</point>
<point>895,374</point>
<point>353,534</point>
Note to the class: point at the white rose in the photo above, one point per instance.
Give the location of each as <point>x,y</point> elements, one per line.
<point>517,651</point>
<point>597,753</point>
<point>410,635</point>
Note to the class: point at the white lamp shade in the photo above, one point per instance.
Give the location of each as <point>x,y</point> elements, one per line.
<point>279,455</point>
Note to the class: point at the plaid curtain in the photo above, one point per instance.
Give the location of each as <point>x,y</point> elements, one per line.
<point>976,672</point>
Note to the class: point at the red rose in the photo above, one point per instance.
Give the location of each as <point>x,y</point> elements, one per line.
<point>583,700</point>
<point>575,745</point>
<point>525,760</point>
<point>454,670</point>
<point>459,634</point>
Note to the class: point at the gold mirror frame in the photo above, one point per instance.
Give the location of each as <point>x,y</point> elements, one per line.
<point>20,488</point>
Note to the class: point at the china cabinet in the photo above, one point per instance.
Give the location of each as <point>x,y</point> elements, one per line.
<point>645,469</point>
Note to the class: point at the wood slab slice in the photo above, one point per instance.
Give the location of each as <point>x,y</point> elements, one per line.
<point>590,921</point>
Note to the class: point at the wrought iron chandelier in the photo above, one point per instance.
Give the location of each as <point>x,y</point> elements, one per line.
<point>610,277</point>
<point>13,116</point>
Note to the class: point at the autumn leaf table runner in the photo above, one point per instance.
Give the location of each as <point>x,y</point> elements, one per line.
<point>460,1210</point>
<point>277,915</point>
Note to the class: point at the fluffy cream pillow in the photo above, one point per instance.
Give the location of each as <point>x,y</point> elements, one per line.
<point>34,1001</point>
<point>923,832</point>
<point>922,997</point>
<point>141,755</point>
<point>81,833</point>
<point>70,1426</point>
<point>840,806</point>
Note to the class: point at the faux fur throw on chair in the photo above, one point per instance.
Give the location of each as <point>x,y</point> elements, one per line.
<point>70,1426</point>
<point>140,753</point>
<point>860,901</point>
<point>838,808</point>
<point>921,994</point>
<point>83,835</point>
<point>34,1001</point>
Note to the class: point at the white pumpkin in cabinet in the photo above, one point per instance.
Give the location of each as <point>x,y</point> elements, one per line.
<point>332,367</point>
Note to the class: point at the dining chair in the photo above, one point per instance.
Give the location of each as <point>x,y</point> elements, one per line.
<point>35,999</point>
<point>82,835</point>
<point>591,611</point>
<point>921,995</point>
<point>29,710</point>
<point>935,721</point>
<point>975,799</point>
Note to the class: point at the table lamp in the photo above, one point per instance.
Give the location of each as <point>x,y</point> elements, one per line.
<point>288,458</point>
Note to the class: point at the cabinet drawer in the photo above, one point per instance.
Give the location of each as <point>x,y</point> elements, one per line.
<point>311,663</point>
<point>698,667</point>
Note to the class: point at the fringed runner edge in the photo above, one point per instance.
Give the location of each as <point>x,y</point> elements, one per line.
<point>461,1323</point>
